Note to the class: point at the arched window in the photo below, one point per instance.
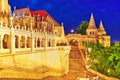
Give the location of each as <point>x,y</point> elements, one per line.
<point>28,42</point>
<point>22,42</point>
<point>38,42</point>
<point>16,41</point>
<point>6,41</point>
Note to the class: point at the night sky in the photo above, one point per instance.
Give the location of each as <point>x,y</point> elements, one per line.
<point>72,12</point>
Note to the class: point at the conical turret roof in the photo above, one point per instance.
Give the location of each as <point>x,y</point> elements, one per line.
<point>92,23</point>
<point>101,26</point>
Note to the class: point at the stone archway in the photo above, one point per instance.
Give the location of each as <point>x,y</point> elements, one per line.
<point>16,41</point>
<point>38,42</point>
<point>73,42</point>
<point>6,41</point>
<point>35,45</point>
<point>28,42</point>
<point>43,42</point>
<point>22,42</point>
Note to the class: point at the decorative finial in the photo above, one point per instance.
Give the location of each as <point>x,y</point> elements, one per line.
<point>14,11</point>
<point>14,8</point>
<point>62,24</point>
<point>91,14</point>
<point>11,12</point>
<point>28,6</point>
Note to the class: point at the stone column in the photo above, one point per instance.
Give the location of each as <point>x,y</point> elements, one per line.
<point>40,42</point>
<point>25,42</point>
<point>32,42</point>
<point>36,43</point>
<point>12,41</point>
<point>1,41</point>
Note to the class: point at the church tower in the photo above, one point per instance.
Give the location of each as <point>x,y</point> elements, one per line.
<point>91,30</point>
<point>4,11</point>
<point>101,30</point>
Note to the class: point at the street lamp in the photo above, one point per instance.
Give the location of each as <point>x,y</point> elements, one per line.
<point>72,31</point>
<point>87,66</point>
<point>95,78</point>
<point>89,50</point>
<point>88,58</point>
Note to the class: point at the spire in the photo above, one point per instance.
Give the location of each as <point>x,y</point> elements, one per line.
<point>14,8</point>
<point>11,12</point>
<point>101,30</point>
<point>14,11</point>
<point>62,24</point>
<point>101,26</point>
<point>92,23</point>
<point>28,6</point>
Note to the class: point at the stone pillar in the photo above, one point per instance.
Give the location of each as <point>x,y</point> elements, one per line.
<point>25,42</point>
<point>12,41</point>
<point>36,43</point>
<point>32,42</point>
<point>40,42</point>
<point>1,41</point>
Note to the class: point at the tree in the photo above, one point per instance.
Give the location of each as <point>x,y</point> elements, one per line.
<point>82,28</point>
<point>106,60</point>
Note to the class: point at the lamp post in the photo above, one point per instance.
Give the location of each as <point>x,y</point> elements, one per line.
<point>88,58</point>
<point>72,31</point>
<point>89,50</point>
<point>95,78</point>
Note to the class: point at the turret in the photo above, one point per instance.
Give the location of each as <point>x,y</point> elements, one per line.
<point>101,30</point>
<point>4,11</point>
<point>91,30</point>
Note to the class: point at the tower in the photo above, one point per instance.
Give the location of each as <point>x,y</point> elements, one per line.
<point>101,30</point>
<point>4,11</point>
<point>103,38</point>
<point>91,30</point>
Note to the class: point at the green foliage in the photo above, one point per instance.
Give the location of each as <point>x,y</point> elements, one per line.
<point>82,28</point>
<point>117,43</point>
<point>105,59</point>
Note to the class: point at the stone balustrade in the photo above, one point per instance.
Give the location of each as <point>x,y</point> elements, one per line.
<point>18,38</point>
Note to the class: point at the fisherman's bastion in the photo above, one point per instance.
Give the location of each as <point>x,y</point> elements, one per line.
<point>35,41</point>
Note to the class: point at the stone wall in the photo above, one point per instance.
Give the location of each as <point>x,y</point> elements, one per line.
<point>57,59</point>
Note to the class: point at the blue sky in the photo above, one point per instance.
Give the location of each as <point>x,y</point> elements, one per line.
<point>72,12</point>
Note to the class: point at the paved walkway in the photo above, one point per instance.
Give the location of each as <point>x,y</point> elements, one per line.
<point>77,67</point>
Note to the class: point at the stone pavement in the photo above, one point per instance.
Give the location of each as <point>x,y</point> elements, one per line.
<point>77,67</point>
